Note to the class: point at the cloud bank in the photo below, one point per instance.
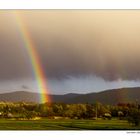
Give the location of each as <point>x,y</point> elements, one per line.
<point>73,43</point>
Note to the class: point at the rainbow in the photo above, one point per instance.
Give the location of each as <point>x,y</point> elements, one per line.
<point>34,58</point>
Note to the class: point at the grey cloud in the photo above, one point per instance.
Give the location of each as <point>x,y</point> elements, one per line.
<point>74,43</point>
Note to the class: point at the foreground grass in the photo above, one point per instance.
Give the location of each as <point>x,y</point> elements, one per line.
<point>47,124</point>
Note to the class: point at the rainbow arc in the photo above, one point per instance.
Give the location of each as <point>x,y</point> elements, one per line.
<point>34,58</point>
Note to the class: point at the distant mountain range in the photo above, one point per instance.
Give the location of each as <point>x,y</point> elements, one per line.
<point>19,96</point>
<point>114,96</point>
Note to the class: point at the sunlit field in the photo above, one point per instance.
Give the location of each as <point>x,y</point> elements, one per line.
<point>49,124</point>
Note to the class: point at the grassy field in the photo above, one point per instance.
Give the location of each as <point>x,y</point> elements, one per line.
<point>47,124</point>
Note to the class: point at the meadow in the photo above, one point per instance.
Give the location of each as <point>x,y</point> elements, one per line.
<point>68,124</point>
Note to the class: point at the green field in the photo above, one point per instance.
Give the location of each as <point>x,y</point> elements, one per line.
<point>47,124</point>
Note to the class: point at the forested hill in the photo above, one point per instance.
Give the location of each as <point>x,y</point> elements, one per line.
<point>19,96</point>
<point>113,96</point>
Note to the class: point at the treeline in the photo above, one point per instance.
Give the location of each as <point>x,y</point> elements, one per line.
<point>129,111</point>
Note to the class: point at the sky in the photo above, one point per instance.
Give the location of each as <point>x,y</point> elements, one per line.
<point>80,50</point>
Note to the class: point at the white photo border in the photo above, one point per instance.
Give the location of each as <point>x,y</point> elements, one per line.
<point>69,4</point>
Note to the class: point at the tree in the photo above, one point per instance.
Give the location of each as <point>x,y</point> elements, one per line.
<point>45,110</point>
<point>69,112</point>
<point>134,116</point>
<point>80,111</point>
<point>58,109</point>
<point>90,111</point>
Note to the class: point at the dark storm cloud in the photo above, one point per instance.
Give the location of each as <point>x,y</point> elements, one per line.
<point>62,62</point>
<point>105,44</point>
<point>14,61</point>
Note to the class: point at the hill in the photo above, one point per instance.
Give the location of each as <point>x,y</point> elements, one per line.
<point>113,96</point>
<point>19,96</point>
